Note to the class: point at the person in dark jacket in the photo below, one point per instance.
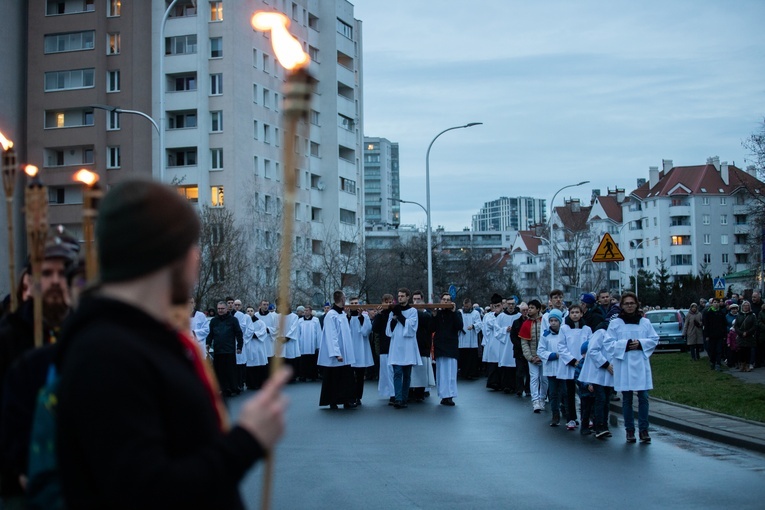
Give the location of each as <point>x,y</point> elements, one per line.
<point>140,421</point>
<point>226,339</point>
<point>715,332</point>
<point>592,315</point>
<point>447,324</point>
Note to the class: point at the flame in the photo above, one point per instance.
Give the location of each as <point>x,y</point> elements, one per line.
<point>86,177</point>
<point>288,50</point>
<point>31,170</point>
<point>7,144</point>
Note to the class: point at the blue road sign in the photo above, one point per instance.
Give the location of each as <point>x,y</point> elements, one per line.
<point>453,292</point>
<point>719,283</point>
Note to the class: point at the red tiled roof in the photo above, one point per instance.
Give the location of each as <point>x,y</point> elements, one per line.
<point>694,178</point>
<point>528,239</point>
<point>573,221</point>
<point>612,208</point>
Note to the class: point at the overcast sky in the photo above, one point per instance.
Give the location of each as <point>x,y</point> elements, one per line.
<point>566,90</point>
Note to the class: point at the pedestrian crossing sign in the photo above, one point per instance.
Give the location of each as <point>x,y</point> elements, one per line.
<point>719,283</point>
<point>607,250</point>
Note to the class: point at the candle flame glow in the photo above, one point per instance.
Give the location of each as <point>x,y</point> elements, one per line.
<point>288,50</point>
<point>7,144</point>
<point>31,170</point>
<point>86,177</point>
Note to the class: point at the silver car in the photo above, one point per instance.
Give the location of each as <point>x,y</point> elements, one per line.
<point>669,326</point>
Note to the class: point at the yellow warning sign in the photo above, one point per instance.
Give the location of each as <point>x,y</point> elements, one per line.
<point>720,294</point>
<point>607,251</point>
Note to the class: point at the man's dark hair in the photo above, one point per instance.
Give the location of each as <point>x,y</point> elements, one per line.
<point>405,291</point>
<point>229,298</point>
<point>574,307</point>
<point>417,293</point>
<point>466,301</point>
<point>555,292</point>
<point>337,297</point>
<point>446,294</point>
<point>536,303</point>
<point>604,291</point>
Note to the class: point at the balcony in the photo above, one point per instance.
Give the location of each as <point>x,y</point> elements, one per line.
<point>741,209</point>
<point>742,229</point>
<point>741,248</point>
<point>680,210</point>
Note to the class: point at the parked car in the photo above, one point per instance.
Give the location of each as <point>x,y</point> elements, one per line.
<point>669,326</point>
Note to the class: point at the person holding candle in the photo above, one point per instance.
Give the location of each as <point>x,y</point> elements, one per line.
<point>148,428</point>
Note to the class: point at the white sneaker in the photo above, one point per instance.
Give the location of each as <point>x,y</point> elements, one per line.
<point>537,406</point>
<point>571,425</point>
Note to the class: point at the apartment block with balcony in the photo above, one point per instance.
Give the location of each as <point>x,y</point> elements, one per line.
<point>381,184</point>
<point>510,213</point>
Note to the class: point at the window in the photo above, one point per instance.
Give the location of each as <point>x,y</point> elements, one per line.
<point>77,117</point>
<point>346,123</point>
<point>216,11</point>
<point>255,169</point>
<point>724,258</point>
<point>113,159</point>
<point>707,258</point>
<point>254,93</point>
<point>315,150</point>
<point>267,168</point>
<point>255,129</point>
<point>56,195</point>
<point>724,239</point>
<point>276,138</point>
<point>344,29</point>
<point>681,240</point>
<point>313,22</point>
<point>182,119</point>
<point>316,214</point>
<point>255,58</point>
<point>267,200</point>
<point>707,239</point>
<point>182,157</point>
<point>73,41</point>
<point>345,60</point>
<point>55,7</point>
<point>216,234</point>
<point>216,121</point>
<point>704,200</point>
<point>723,200</point>
<point>216,47</point>
<point>181,82</point>
<point>345,91</point>
<point>317,247</point>
<point>347,185</point>
<point>266,63</point>
<point>181,45</point>
<point>216,84</point>
<point>216,196</point>
<point>346,153</point>
<point>314,117</point>
<point>723,219</point>
<point>266,133</point>
<point>705,219</point>
<point>740,219</point>
<point>112,81</point>
<point>347,216</point>
<point>113,8</point>
<point>113,43</point>
<point>313,53</point>
<point>742,258</point>
<point>216,159</point>
<point>112,121</point>
<point>191,192</point>
<point>266,98</point>
<point>219,271</point>
<point>69,80</point>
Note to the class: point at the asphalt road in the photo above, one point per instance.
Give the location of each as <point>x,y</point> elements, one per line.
<point>490,451</point>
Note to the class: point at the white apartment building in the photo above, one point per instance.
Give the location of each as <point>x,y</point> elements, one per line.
<point>382,208</point>
<point>694,218</point>
<point>510,213</point>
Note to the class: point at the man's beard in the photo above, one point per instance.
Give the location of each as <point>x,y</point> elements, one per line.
<point>179,287</point>
<point>55,306</point>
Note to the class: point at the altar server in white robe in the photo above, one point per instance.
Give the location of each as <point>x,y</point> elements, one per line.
<point>270,320</point>
<point>507,363</point>
<point>200,327</point>
<point>361,327</point>
<point>256,372</point>
<point>309,338</point>
<point>598,371</point>
<point>245,323</point>
<point>574,333</point>
<point>404,353</point>
<point>468,340</point>
<point>290,350</point>
<point>491,344</point>
<point>336,356</point>
<point>547,350</point>
<point>631,339</point>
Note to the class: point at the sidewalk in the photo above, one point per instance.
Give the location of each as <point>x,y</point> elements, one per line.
<point>710,425</point>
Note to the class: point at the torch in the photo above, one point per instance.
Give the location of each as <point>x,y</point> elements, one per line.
<point>9,185</point>
<point>91,194</point>
<point>36,199</point>
<point>297,99</point>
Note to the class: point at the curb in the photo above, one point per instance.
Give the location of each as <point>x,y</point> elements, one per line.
<point>661,417</point>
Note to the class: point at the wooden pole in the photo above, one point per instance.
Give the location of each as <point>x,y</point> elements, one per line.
<point>9,186</point>
<point>36,199</point>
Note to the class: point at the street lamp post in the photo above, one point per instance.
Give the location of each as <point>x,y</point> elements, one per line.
<point>549,228</point>
<point>637,246</point>
<point>620,237</point>
<point>427,203</point>
<point>146,116</point>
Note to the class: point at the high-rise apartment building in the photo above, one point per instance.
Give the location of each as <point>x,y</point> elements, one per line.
<point>505,213</point>
<point>381,183</point>
<point>214,87</point>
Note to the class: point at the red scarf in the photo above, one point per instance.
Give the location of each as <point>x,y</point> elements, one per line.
<point>205,374</point>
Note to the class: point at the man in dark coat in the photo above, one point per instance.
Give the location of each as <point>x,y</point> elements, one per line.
<point>447,324</point>
<point>226,339</point>
<point>140,421</point>
<point>715,332</point>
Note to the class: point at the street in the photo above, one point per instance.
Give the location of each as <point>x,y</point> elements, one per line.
<point>489,451</point>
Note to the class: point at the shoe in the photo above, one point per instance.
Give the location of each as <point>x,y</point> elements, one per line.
<point>601,434</point>
<point>349,405</point>
<point>585,432</point>
<point>398,404</point>
<point>447,402</point>
<point>631,436</point>
<point>608,433</point>
<point>571,425</point>
<point>358,401</point>
<point>333,406</point>
<point>718,368</point>
<point>392,401</point>
<point>644,437</point>
<point>555,420</point>
<point>537,407</point>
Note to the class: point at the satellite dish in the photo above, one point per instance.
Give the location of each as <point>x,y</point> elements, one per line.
<point>320,185</point>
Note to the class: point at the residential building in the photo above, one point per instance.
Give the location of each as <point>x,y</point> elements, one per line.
<point>530,258</point>
<point>381,183</point>
<point>506,213</point>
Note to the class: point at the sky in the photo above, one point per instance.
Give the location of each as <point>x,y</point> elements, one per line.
<point>567,91</point>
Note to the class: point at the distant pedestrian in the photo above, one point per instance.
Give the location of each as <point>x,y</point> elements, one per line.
<point>745,326</point>
<point>530,333</point>
<point>715,332</point>
<point>693,332</point>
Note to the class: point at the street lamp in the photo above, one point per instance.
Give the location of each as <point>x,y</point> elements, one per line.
<point>637,246</point>
<point>549,228</point>
<point>409,202</point>
<point>117,109</point>
<point>427,203</point>
<point>620,237</point>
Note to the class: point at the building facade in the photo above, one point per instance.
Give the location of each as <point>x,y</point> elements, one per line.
<point>381,183</point>
<point>505,213</point>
